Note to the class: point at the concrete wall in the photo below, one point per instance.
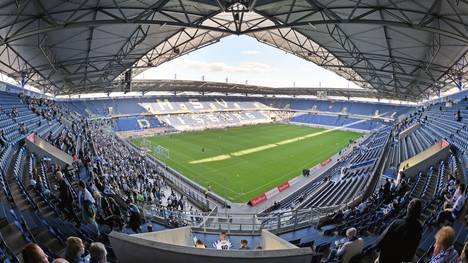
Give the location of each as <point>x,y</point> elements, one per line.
<point>132,248</point>
<point>422,161</point>
<point>179,236</point>
<point>42,148</point>
<point>409,130</point>
<point>273,242</point>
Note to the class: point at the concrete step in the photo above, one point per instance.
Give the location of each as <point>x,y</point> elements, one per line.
<point>13,238</point>
<point>46,239</point>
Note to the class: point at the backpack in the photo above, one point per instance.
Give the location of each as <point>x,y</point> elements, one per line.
<point>91,209</point>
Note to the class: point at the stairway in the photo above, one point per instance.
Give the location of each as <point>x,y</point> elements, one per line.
<point>39,232</point>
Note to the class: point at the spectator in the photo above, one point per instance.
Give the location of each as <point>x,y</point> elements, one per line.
<point>222,243</point>
<point>3,141</point>
<point>66,198</point>
<point>88,206</point>
<point>244,244</point>
<point>386,190</point>
<point>401,236</point>
<point>362,207</point>
<point>451,214</point>
<point>134,216</point>
<point>74,250</point>
<point>199,244</point>
<point>455,190</point>
<point>33,253</point>
<point>352,247</point>
<point>104,209</point>
<point>60,260</point>
<point>464,254</point>
<point>443,247</point>
<point>97,253</point>
<point>117,215</point>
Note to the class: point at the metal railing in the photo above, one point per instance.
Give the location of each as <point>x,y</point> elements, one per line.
<point>188,188</point>
<point>222,220</point>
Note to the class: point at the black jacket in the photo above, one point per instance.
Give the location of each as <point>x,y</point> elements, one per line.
<point>65,193</point>
<point>399,241</point>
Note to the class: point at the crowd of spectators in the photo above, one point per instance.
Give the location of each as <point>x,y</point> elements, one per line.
<point>75,252</point>
<point>105,169</point>
<point>223,243</point>
<point>103,186</point>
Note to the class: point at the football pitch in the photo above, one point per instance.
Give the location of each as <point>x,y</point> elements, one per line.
<point>243,162</point>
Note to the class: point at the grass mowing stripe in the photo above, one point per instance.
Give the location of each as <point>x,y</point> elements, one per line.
<point>243,177</point>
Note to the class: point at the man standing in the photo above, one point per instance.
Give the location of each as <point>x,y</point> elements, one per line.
<point>88,206</point>
<point>134,216</point>
<point>399,241</point>
<point>66,198</point>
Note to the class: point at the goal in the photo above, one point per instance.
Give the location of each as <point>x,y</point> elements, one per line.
<point>161,152</point>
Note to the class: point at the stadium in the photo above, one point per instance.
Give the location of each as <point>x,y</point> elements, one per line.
<point>103,158</point>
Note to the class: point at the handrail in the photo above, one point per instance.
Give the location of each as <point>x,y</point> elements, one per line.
<point>215,221</point>
<point>182,184</point>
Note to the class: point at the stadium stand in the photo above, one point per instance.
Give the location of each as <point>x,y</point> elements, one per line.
<point>392,190</point>
<point>31,212</point>
<point>185,113</point>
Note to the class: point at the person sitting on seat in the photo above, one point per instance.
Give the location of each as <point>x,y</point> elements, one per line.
<point>451,214</point>
<point>443,247</point>
<point>199,244</point>
<point>97,253</point>
<point>74,250</point>
<point>60,260</point>
<point>244,244</point>
<point>33,253</point>
<point>452,194</point>
<point>464,254</point>
<point>351,247</point>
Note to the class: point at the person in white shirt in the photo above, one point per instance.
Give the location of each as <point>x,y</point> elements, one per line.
<point>223,243</point>
<point>352,247</point>
<point>451,214</point>
<point>88,207</point>
<point>84,194</point>
<point>453,194</point>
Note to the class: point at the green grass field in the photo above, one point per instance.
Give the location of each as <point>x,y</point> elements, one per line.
<point>243,162</point>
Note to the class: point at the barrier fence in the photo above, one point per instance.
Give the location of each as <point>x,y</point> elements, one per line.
<point>219,220</point>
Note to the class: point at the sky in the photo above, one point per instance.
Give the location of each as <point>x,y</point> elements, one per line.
<point>243,58</point>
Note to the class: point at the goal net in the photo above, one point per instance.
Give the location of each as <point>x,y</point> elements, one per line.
<point>161,152</point>
<point>145,143</point>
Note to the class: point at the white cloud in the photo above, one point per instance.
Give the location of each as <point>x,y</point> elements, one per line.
<point>250,52</point>
<point>244,67</point>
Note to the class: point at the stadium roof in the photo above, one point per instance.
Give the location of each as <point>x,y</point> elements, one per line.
<point>400,49</point>
<point>179,86</point>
